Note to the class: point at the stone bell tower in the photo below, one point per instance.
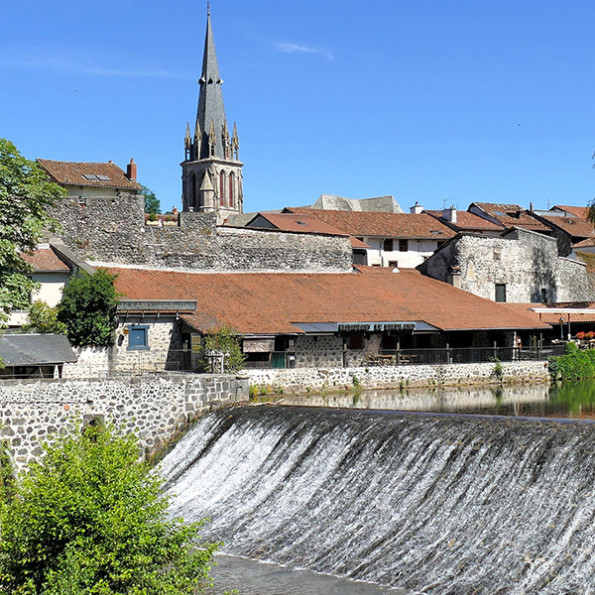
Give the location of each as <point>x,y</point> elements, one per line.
<point>211,170</point>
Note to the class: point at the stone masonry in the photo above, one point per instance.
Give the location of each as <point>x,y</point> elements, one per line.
<point>301,380</point>
<point>113,230</point>
<point>526,262</point>
<point>156,408</point>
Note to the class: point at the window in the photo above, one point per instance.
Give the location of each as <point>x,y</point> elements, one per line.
<point>221,188</point>
<point>403,245</point>
<point>231,201</point>
<point>356,342</point>
<point>500,292</point>
<point>138,337</point>
<point>393,264</point>
<point>388,245</point>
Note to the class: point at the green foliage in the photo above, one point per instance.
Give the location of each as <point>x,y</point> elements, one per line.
<point>89,518</point>
<point>575,365</point>
<point>152,204</point>
<point>498,371</point>
<point>44,319</point>
<point>25,195</point>
<point>88,309</point>
<point>224,341</point>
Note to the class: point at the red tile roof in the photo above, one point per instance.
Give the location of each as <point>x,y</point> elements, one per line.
<point>511,216</point>
<point>575,226</point>
<point>467,221</point>
<point>262,303</point>
<point>553,316</point>
<point>581,212</point>
<point>303,223</point>
<point>588,243</point>
<point>73,174</point>
<point>383,225</point>
<point>45,260</point>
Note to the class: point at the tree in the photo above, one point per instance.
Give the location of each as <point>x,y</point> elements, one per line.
<point>88,309</point>
<point>89,518</point>
<point>224,342</point>
<point>44,319</point>
<point>25,195</point>
<point>152,204</point>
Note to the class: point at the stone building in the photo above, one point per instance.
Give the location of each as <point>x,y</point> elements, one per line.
<point>211,170</point>
<point>307,319</point>
<point>521,266</point>
<point>401,240</point>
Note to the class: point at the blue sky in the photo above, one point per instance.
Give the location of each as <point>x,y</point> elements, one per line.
<point>436,101</point>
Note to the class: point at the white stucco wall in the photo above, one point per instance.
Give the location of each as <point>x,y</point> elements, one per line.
<point>418,251</point>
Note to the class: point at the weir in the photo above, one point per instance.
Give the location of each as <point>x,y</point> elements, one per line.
<point>432,504</point>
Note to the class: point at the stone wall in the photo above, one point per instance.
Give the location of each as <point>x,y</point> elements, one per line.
<point>303,380</point>
<point>112,229</point>
<point>157,408</point>
<point>527,263</point>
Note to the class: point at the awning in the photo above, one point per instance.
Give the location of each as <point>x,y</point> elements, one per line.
<point>35,350</point>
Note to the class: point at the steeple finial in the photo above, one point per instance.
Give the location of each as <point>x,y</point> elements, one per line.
<point>208,8</point>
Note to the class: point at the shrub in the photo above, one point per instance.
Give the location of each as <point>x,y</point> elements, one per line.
<point>44,319</point>
<point>226,342</point>
<point>574,365</point>
<point>88,308</point>
<point>90,518</point>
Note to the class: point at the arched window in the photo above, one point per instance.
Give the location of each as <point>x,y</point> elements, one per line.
<point>231,192</point>
<point>192,195</point>
<point>222,188</point>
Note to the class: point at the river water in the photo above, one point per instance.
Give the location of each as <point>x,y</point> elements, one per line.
<point>364,494</point>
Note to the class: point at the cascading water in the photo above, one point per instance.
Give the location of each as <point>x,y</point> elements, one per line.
<point>430,503</point>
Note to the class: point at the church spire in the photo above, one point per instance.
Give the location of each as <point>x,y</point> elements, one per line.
<point>211,170</point>
<point>210,99</point>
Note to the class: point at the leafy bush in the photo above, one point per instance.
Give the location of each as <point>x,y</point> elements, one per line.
<point>90,518</point>
<point>88,308</point>
<point>44,319</point>
<point>576,364</point>
<point>227,342</point>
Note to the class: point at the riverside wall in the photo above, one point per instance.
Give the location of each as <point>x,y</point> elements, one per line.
<point>302,380</point>
<point>157,408</point>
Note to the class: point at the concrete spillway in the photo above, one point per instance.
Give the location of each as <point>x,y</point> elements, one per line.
<point>433,504</point>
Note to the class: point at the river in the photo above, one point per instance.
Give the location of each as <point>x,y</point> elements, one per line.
<point>425,492</point>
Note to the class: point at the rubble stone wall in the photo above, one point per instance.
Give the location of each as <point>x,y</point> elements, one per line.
<point>156,408</point>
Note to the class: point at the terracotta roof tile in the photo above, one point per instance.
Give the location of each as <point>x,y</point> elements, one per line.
<point>467,221</point>
<point>73,174</point>
<point>511,215</point>
<point>382,225</point>
<point>575,226</point>
<point>553,316</point>
<point>581,212</point>
<point>44,260</point>
<point>261,303</point>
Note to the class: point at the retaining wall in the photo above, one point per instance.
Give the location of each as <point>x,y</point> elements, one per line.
<point>301,380</point>
<point>156,408</point>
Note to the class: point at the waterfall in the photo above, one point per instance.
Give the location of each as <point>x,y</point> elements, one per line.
<point>429,503</point>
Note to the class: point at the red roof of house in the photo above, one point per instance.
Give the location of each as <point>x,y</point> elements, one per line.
<point>383,225</point>
<point>553,316</point>
<point>511,216</point>
<point>581,212</point>
<point>467,221</point>
<point>263,303</point>
<point>304,223</point>
<point>575,226</point>
<point>588,243</point>
<point>44,260</point>
<point>106,175</point>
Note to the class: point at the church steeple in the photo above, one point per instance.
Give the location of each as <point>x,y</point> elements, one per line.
<point>213,152</point>
<point>210,98</point>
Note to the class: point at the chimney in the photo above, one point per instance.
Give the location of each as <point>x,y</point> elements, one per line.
<point>131,171</point>
<point>450,214</point>
<point>416,209</point>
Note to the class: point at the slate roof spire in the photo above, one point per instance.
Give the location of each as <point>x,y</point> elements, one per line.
<point>210,98</point>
